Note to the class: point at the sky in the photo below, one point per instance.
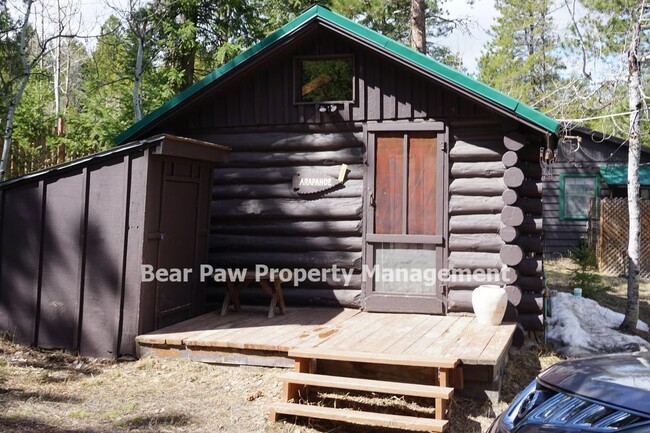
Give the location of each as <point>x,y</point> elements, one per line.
<point>470,44</point>
<point>467,42</point>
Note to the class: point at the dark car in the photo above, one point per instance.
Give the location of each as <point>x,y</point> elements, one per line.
<point>608,393</point>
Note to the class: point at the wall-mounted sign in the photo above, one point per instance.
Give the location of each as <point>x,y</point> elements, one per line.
<point>312,182</point>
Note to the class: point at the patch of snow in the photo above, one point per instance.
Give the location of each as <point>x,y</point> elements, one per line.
<point>580,326</point>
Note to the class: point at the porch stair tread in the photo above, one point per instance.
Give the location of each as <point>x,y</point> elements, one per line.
<point>368,385</point>
<point>359,417</point>
<point>375,358</point>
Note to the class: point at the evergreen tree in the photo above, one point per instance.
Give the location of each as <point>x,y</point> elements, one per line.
<point>392,18</point>
<point>196,36</point>
<point>521,58</point>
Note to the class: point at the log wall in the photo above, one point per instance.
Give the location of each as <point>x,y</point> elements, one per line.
<point>522,228</point>
<point>495,218</point>
<point>257,217</point>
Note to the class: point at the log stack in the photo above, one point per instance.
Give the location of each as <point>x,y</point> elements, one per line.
<point>475,204</point>
<point>521,229</point>
<point>495,221</point>
<point>257,217</point>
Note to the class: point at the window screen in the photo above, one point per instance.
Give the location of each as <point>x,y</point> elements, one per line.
<point>577,192</point>
<point>326,79</point>
<point>405,184</point>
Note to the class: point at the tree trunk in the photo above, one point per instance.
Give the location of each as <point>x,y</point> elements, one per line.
<point>137,108</point>
<point>634,155</point>
<point>57,70</point>
<point>418,26</point>
<point>15,100</point>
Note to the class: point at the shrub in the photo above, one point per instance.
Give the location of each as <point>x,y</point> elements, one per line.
<point>585,275</point>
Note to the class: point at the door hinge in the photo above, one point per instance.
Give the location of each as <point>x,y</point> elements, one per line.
<point>443,145</point>
<point>371,199</point>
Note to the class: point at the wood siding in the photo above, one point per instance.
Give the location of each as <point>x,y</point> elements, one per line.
<point>69,283</point>
<point>560,236</point>
<point>264,97</point>
<point>72,245</point>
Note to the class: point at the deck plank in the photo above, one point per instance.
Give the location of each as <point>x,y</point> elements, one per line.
<point>316,330</point>
<point>388,323</point>
<point>399,331</point>
<point>275,330</point>
<point>474,339</point>
<point>176,333</point>
<point>494,350</point>
<point>221,336</point>
<point>340,330</point>
<point>430,337</point>
<point>355,330</point>
<point>450,338</point>
<point>414,335</point>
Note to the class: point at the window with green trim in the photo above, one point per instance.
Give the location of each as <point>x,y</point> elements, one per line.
<point>576,194</point>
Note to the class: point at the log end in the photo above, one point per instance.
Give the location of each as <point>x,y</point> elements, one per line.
<point>511,255</point>
<point>508,233</point>
<point>509,197</point>
<point>512,216</point>
<point>514,177</point>
<point>514,141</point>
<point>510,159</point>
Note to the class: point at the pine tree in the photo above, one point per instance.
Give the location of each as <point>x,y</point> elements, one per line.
<point>521,58</point>
<point>392,18</point>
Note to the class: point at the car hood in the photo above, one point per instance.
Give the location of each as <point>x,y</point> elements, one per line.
<point>621,380</point>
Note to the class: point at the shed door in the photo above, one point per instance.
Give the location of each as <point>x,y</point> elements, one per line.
<point>181,234</point>
<point>405,218</point>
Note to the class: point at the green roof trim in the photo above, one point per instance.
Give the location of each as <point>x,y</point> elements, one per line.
<point>616,175</point>
<point>370,36</point>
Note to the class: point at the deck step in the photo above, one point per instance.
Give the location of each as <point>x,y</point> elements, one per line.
<point>368,385</point>
<point>359,417</point>
<point>375,358</point>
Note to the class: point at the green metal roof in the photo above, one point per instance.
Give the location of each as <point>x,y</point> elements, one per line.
<point>372,38</point>
<point>617,174</point>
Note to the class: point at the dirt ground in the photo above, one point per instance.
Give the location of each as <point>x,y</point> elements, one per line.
<point>43,391</point>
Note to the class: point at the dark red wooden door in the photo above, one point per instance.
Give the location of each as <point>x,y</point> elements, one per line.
<point>405,217</point>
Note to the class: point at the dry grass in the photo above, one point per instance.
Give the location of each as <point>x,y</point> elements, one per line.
<point>55,392</point>
<point>44,391</point>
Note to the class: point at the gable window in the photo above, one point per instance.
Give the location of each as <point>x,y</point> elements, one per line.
<point>576,194</point>
<point>324,79</point>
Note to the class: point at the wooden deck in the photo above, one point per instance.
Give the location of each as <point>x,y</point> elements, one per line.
<point>249,337</point>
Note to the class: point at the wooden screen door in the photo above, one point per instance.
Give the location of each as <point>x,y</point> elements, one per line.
<point>405,218</point>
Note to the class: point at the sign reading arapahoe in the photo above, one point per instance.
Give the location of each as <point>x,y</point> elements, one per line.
<point>313,182</point>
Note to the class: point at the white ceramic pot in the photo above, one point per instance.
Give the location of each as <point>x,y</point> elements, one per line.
<point>489,302</point>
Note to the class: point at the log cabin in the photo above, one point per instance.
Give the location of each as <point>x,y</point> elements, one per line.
<point>347,150</point>
<point>437,168</point>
